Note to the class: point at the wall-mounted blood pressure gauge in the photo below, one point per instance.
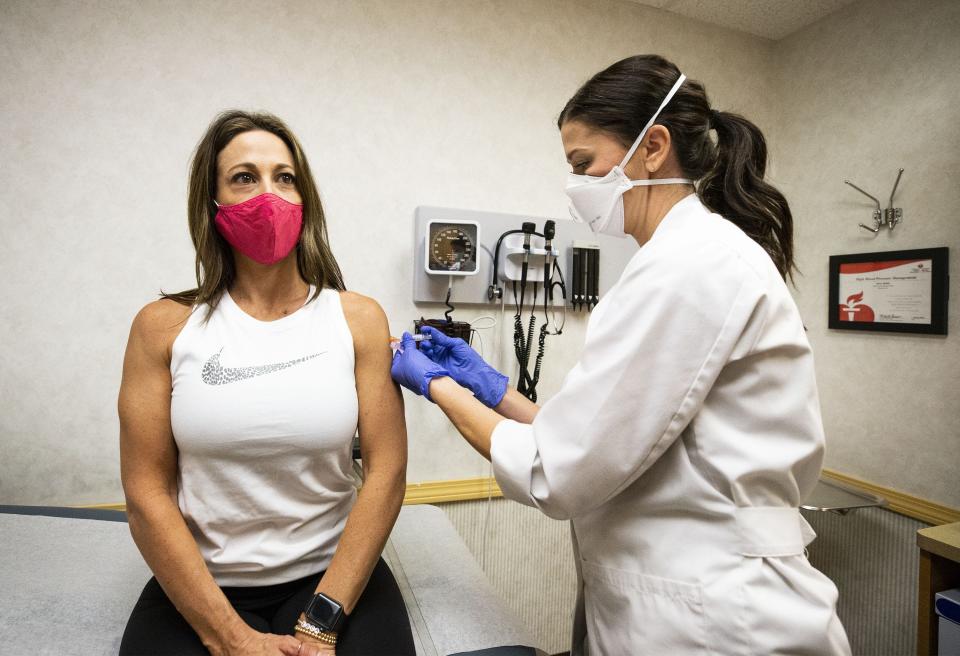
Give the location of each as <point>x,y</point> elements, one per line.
<point>452,248</point>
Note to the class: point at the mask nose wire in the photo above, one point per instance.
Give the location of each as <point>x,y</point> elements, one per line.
<point>636,144</point>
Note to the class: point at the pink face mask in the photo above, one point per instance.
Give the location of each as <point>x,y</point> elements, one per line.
<point>265,228</point>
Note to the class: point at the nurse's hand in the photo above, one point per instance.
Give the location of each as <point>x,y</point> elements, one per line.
<point>465,366</point>
<point>414,370</point>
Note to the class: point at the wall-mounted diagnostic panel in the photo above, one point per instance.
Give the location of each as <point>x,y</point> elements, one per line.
<point>463,244</point>
<point>519,262</point>
<point>451,247</point>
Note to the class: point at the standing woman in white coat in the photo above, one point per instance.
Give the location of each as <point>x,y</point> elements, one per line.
<point>685,438</point>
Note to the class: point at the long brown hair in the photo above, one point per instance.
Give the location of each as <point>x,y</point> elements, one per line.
<point>621,99</point>
<point>215,268</point>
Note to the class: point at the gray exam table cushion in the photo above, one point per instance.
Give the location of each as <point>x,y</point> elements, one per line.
<point>70,577</point>
<point>68,584</point>
<point>454,608</point>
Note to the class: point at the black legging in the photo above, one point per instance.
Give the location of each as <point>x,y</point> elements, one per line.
<point>377,626</point>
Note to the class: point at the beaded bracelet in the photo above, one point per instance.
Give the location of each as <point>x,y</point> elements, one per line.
<point>316,632</point>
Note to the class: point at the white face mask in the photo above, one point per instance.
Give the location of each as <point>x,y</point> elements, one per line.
<point>598,201</point>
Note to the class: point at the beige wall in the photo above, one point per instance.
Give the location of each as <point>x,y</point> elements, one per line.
<point>398,104</point>
<point>868,90</point>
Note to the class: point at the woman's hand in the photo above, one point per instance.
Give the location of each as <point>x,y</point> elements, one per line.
<point>413,369</point>
<point>465,366</point>
<point>313,647</point>
<point>254,643</point>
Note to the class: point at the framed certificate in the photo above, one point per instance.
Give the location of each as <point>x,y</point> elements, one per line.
<point>896,291</point>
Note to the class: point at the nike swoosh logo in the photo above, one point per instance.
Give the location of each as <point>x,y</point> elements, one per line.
<point>215,373</point>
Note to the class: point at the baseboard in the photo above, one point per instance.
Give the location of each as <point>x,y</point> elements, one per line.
<point>900,502</point>
<point>106,506</point>
<point>467,489</point>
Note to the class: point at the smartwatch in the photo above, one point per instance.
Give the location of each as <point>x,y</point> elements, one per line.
<point>325,612</point>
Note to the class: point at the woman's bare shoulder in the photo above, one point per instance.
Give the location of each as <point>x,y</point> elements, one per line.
<point>363,310</point>
<point>158,323</point>
<point>365,317</point>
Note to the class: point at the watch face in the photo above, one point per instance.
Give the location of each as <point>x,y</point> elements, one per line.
<point>325,612</point>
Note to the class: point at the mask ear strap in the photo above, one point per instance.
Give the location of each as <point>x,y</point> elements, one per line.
<point>636,144</point>
<point>660,181</point>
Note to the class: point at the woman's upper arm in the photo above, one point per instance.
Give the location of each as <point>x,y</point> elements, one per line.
<point>148,454</point>
<point>383,432</point>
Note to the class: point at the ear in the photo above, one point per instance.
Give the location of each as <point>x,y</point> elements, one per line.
<point>655,148</point>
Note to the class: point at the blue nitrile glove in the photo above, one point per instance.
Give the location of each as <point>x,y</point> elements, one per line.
<point>465,366</point>
<point>413,369</point>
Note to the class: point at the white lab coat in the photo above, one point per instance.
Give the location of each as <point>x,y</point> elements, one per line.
<point>681,446</point>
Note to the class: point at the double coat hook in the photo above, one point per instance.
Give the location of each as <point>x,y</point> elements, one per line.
<point>889,217</point>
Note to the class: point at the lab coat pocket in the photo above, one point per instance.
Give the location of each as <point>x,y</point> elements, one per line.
<point>627,611</point>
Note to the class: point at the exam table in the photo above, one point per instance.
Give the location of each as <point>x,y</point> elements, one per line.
<point>70,576</point>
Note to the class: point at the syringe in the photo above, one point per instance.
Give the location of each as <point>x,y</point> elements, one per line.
<point>395,341</point>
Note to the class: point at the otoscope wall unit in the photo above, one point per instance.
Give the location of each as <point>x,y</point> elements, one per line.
<point>461,241</point>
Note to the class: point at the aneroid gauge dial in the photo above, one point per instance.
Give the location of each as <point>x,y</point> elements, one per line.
<point>452,247</point>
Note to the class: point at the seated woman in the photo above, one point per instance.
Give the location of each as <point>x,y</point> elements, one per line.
<point>238,407</point>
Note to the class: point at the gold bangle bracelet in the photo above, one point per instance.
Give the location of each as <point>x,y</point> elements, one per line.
<point>325,638</point>
<point>316,632</point>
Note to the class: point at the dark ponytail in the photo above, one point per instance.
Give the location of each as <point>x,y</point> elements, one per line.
<point>735,189</point>
<point>621,99</point>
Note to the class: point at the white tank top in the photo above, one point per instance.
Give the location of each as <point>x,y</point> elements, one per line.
<point>263,414</point>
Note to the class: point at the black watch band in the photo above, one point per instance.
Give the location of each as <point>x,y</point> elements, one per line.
<point>325,612</point>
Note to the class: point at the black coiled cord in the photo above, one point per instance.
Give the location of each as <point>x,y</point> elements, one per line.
<point>519,343</point>
<point>446,315</point>
<point>541,348</point>
<point>518,340</point>
<point>522,345</point>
